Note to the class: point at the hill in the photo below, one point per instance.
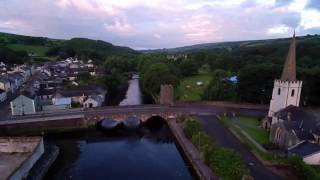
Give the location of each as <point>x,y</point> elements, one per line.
<point>232,45</point>
<point>43,48</point>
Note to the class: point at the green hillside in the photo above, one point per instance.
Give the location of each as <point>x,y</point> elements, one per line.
<point>14,47</point>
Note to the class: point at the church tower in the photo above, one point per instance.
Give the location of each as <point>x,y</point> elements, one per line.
<point>287,89</point>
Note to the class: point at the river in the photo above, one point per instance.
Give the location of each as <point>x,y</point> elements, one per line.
<point>133,95</point>
<point>141,154</point>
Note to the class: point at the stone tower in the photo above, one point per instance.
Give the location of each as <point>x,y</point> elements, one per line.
<point>166,94</point>
<point>287,89</point>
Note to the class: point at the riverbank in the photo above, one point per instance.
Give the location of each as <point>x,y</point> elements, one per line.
<point>191,152</point>
<point>39,170</point>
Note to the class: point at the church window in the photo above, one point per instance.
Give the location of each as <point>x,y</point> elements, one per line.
<point>292,93</point>
<point>279,91</point>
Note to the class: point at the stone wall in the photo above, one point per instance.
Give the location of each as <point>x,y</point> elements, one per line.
<point>22,171</point>
<point>166,94</point>
<point>18,144</point>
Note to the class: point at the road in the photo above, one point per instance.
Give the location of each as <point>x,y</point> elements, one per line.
<point>224,137</point>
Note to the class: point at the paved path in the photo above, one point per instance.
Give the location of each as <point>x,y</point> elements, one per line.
<point>224,137</point>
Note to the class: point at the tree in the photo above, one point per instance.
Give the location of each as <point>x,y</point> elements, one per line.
<point>156,75</point>
<point>310,86</point>
<point>188,67</point>
<point>256,82</point>
<point>220,87</point>
<point>120,64</point>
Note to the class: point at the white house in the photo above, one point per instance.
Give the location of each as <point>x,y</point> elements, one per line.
<point>3,95</point>
<point>23,105</point>
<point>309,152</point>
<point>63,101</point>
<point>93,101</point>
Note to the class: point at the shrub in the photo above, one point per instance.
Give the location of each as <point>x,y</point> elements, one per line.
<point>191,127</point>
<point>226,163</point>
<point>303,170</point>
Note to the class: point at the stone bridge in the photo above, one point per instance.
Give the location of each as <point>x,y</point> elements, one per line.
<point>81,119</point>
<point>85,118</point>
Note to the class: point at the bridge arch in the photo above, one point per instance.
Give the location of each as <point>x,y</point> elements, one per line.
<point>155,122</point>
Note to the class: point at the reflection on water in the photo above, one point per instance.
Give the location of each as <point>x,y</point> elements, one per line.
<point>141,154</point>
<point>133,96</point>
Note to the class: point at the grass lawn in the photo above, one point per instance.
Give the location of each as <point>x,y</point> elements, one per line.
<point>188,90</point>
<point>39,50</point>
<point>249,120</point>
<point>251,126</point>
<point>260,135</point>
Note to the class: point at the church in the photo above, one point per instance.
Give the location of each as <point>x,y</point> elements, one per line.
<point>291,127</point>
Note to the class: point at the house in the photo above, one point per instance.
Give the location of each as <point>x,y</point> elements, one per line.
<point>46,93</point>
<point>93,101</point>
<point>23,105</point>
<point>4,84</point>
<point>3,95</point>
<point>58,104</point>
<point>81,93</point>
<point>62,101</point>
<point>309,152</point>
<point>13,84</point>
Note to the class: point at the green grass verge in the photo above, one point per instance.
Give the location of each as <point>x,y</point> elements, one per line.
<point>225,162</point>
<point>249,120</point>
<point>252,127</point>
<point>188,90</point>
<point>259,135</point>
<point>39,50</point>
<point>272,158</point>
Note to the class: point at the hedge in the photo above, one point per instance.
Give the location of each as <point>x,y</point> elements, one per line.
<point>225,162</point>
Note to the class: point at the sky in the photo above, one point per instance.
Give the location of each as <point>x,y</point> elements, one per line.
<point>151,24</point>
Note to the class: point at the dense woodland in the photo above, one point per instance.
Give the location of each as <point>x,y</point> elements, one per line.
<point>255,63</point>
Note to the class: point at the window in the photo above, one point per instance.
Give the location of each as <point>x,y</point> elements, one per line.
<point>279,91</point>
<point>292,93</point>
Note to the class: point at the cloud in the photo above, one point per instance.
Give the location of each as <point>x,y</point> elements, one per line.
<point>314,4</point>
<point>283,2</point>
<point>158,23</point>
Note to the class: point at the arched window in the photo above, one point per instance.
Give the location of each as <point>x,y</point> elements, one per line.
<point>279,91</point>
<point>292,93</point>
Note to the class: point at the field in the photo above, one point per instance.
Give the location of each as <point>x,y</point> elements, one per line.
<point>38,50</point>
<point>188,90</point>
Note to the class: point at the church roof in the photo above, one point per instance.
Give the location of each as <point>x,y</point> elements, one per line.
<point>303,123</point>
<point>304,149</point>
<point>289,69</point>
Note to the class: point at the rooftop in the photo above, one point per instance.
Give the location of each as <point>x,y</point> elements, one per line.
<point>304,149</point>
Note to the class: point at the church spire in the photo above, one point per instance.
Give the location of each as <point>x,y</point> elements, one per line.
<point>289,69</point>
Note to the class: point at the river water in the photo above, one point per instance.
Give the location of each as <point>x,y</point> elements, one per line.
<point>142,154</point>
<point>133,95</point>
